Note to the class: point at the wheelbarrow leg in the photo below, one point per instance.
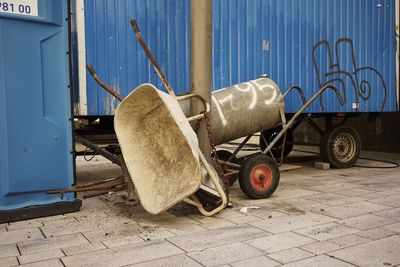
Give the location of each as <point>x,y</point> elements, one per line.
<point>114,159</point>
<point>98,150</point>
<point>130,188</point>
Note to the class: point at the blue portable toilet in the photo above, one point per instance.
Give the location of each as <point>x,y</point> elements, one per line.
<point>36,137</point>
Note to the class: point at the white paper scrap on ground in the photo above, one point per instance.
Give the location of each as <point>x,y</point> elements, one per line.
<point>244,209</point>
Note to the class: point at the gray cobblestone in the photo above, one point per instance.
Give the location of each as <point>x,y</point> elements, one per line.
<point>393,214</point>
<point>350,240</point>
<point>292,222</point>
<point>354,209</point>
<point>327,231</point>
<point>41,256</point>
<point>37,246</point>
<point>377,253</point>
<point>393,227</point>
<point>376,233</point>
<point>8,250</point>
<point>24,225</point>
<point>16,236</point>
<point>279,242</point>
<point>291,255</point>
<point>124,255</point>
<point>114,233</point>
<point>9,261</point>
<point>3,227</point>
<point>321,260</point>
<point>225,254</point>
<point>74,227</point>
<point>85,248</point>
<point>48,263</point>
<point>322,247</point>
<point>262,261</point>
<point>178,261</point>
<point>366,222</point>
<point>216,237</point>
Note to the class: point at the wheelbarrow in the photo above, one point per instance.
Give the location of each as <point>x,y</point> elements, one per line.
<point>161,150</point>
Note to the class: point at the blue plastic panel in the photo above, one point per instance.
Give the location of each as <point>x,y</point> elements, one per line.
<point>309,43</point>
<point>35,111</point>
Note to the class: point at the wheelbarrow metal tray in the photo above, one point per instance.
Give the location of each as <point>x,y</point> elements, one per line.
<point>159,147</point>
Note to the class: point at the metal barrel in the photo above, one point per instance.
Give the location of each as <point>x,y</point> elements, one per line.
<point>244,109</point>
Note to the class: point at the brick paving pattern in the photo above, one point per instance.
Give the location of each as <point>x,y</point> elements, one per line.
<point>316,218</point>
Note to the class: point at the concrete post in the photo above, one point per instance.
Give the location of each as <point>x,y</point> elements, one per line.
<point>200,61</point>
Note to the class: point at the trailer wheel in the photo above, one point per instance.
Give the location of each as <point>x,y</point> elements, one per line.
<point>269,136</point>
<point>340,146</point>
<point>259,177</point>
<point>225,155</point>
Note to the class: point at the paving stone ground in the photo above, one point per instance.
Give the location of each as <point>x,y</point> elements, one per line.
<point>316,218</point>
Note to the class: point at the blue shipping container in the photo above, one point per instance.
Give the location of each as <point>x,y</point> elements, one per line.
<point>309,43</point>
<point>35,107</point>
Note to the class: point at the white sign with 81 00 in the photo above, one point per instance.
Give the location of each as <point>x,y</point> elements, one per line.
<point>20,7</point>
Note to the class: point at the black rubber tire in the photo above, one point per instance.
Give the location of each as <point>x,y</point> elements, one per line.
<point>333,146</point>
<point>225,155</point>
<point>269,136</point>
<point>249,176</point>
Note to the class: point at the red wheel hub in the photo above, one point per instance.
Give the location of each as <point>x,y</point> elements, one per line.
<point>261,177</point>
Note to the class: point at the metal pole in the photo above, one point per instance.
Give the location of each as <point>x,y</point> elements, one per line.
<point>200,62</point>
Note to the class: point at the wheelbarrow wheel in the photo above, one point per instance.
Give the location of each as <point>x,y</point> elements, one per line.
<point>269,136</point>
<point>224,155</point>
<point>259,177</point>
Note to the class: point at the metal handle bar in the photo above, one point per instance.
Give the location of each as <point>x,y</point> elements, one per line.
<point>207,106</point>
<point>161,75</point>
<point>304,107</point>
<point>103,84</point>
<point>297,88</point>
<point>146,49</point>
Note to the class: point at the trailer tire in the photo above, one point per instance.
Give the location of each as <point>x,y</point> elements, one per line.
<point>269,136</point>
<point>259,177</point>
<point>225,155</point>
<point>340,146</point>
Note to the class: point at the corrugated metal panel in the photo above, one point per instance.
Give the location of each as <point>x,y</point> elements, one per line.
<point>112,48</point>
<point>350,44</point>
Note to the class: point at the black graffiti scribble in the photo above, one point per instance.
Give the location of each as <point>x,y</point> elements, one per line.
<point>337,74</point>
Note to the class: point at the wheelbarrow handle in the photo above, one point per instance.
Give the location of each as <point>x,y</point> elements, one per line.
<point>103,84</point>
<point>134,25</point>
<point>91,69</point>
<point>153,61</point>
